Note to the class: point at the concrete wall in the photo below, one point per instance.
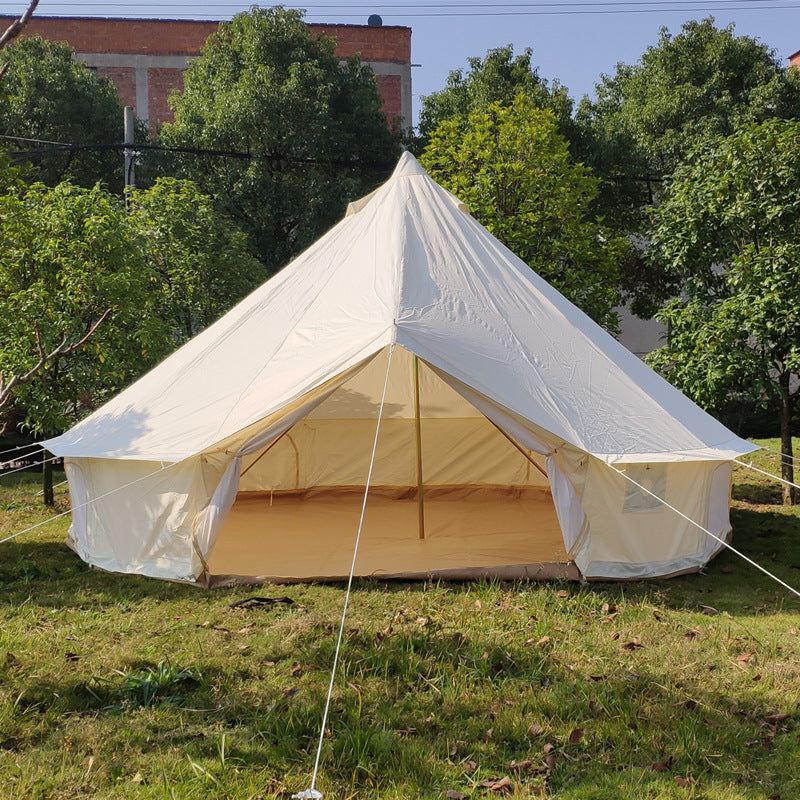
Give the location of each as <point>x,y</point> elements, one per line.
<point>146,58</point>
<point>640,336</point>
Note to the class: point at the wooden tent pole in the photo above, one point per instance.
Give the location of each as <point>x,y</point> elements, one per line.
<point>265,451</point>
<point>521,449</point>
<point>419,449</point>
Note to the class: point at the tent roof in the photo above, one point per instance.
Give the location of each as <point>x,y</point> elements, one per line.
<point>407,265</point>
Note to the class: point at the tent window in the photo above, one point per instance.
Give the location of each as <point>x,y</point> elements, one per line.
<point>654,478</point>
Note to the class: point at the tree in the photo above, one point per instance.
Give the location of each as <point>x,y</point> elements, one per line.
<point>198,256</point>
<point>497,78</point>
<point>311,130</point>
<point>702,83</point>
<point>49,97</point>
<point>73,288</point>
<point>727,230</point>
<point>513,169</point>
<point>73,299</point>
<point>14,30</point>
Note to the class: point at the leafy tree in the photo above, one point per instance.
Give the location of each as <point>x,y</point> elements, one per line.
<point>14,30</point>
<point>312,129</point>
<point>73,285</point>
<point>513,169</point>
<point>199,257</point>
<point>49,97</point>
<point>703,82</point>
<point>497,78</point>
<point>727,230</point>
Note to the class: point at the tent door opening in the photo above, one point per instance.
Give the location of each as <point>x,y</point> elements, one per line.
<point>486,506</point>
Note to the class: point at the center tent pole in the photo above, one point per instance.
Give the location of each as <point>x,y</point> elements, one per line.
<point>418,428</point>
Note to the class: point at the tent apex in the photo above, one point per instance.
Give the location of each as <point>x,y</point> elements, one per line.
<point>408,165</point>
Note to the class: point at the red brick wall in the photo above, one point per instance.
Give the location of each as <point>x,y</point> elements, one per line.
<point>390,89</point>
<point>164,37</point>
<point>388,43</point>
<point>155,37</point>
<point>124,78</point>
<point>161,83</point>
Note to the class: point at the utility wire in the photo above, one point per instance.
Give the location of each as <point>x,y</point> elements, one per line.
<point>237,154</point>
<point>488,9</point>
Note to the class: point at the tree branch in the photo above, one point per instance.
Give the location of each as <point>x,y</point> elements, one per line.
<point>14,30</point>
<point>61,350</point>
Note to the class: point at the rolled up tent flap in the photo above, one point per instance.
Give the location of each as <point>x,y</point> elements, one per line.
<point>208,523</point>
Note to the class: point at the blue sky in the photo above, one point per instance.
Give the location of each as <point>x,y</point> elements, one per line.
<point>573,41</point>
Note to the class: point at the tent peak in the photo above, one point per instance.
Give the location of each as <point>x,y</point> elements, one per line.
<point>408,165</point>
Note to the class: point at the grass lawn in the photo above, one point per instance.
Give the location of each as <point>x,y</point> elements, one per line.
<point>122,687</point>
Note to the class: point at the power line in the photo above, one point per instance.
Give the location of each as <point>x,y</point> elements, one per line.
<point>477,9</point>
<point>488,7</point>
<point>236,154</point>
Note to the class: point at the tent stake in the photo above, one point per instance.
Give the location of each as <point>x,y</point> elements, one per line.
<point>419,449</point>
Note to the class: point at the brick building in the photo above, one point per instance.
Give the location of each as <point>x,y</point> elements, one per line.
<point>145,58</point>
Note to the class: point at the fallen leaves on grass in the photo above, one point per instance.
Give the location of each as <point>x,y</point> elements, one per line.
<point>743,659</point>
<point>502,785</point>
<point>634,644</point>
<point>575,736</point>
<point>535,729</point>
<point>775,721</point>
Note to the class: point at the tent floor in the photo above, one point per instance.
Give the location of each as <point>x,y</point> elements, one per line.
<point>469,532</point>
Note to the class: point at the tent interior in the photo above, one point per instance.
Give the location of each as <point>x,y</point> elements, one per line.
<point>450,493</point>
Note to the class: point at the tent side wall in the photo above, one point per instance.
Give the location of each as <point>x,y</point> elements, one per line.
<point>137,516</point>
<point>633,535</point>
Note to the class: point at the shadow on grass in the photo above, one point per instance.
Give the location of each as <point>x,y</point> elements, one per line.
<point>391,726</point>
<point>767,494</point>
<point>51,574</point>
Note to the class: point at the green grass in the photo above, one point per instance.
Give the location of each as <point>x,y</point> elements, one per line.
<point>122,687</point>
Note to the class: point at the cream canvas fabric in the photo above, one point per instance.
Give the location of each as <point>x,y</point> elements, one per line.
<point>523,403</point>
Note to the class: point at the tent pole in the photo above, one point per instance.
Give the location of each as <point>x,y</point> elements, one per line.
<point>264,452</point>
<point>419,449</point>
<point>520,448</point>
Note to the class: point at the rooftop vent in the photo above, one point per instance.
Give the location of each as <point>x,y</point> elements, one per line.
<point>375,21</point>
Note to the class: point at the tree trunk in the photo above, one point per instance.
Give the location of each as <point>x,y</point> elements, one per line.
<point>47,479</point>
<point>787,463</point>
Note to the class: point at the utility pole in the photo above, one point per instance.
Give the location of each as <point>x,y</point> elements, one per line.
<point>130,154</point>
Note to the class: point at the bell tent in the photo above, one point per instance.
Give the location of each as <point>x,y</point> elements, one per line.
<point>507,420</point>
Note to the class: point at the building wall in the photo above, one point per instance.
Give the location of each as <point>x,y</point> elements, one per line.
<point>145,58</point>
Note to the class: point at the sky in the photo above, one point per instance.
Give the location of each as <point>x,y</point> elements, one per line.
<point>573,41</point>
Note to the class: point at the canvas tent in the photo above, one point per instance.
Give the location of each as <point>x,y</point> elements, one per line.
<point>244,455</point>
